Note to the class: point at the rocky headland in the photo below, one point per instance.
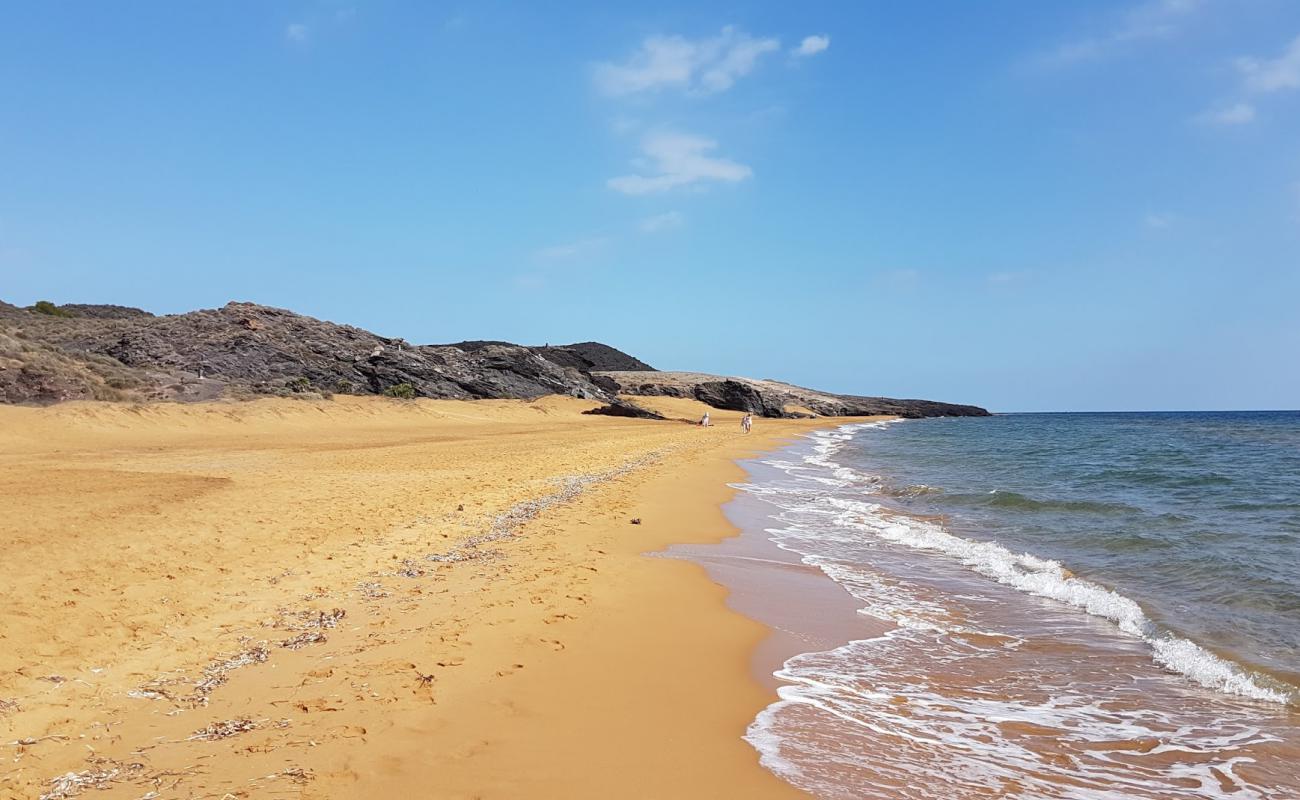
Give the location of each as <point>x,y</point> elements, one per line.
<point>51,353</point>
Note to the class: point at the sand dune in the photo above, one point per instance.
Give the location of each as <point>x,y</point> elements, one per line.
<point>362,596</point>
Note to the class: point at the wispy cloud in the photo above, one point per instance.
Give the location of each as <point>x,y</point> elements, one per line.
<point>675,160</point>
<point>662,222</point>
<point>622,125</point>
<point>297,32</point>
<point>1259,76</point>
<point>1235,114</point>
<point>812,45</point>
<point>1272,74</point>
<point>1159,220</point>
<point>703,66</point>
<point>569,251</point>
<point>1152,20</point>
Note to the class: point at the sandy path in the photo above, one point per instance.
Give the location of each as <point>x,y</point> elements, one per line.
<point>156,559</point>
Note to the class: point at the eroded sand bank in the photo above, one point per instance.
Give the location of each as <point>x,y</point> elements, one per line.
<point>461,591</point>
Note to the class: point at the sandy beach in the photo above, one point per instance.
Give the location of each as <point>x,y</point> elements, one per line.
<point>359,597</point>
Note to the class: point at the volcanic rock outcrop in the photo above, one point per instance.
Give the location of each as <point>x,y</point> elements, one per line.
<point>50,353</point>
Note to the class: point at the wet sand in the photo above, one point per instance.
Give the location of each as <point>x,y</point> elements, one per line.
<point>804,610</point>
<point>240,600</point>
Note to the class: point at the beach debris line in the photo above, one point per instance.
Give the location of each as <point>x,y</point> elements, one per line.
<point>308,619</point>
<point>104,773</point>
<point>507,524</point>
<point>218,672</point>
<point>224,729</point>
<point>73,783</point>
<point>297,775</point>
<point>9,706</point>
<point>372,590</point>
<point>410,569</point>
<point>304,639</point>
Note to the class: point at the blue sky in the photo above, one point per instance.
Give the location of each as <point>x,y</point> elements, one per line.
<point>1018,204</point>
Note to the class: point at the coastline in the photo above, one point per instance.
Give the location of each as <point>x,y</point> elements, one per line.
<point>539,651</point>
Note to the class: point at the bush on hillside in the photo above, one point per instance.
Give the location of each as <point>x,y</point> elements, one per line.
<point>402,391</point>
<point>46,307</point>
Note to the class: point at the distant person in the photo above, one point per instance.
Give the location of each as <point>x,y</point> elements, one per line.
<point>704,420</point>
<point>747,422</point>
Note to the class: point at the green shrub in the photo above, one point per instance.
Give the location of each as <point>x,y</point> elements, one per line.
<point>345,386</point>
<point>402,391</point>
<point>298,385</point>
<point>46,307</point>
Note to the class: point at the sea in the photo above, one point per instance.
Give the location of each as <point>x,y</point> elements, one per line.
<point>1090,605</point>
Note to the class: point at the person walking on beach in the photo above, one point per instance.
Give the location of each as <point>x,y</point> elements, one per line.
<point>704,420</point>
<point>747,422</point>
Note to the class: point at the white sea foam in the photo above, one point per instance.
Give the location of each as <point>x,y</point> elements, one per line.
<point>1047,578</point>
<point>961,699</point>
<point>1029,573</point>
<point>940,741</point>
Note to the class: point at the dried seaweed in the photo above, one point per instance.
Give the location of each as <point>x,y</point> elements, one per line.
<point>304,639</point>
<point>296,774</point>
<point>372,590</point>
<point>410,569</point>
<point>459,555</point>
<point>508,524</point>
<point>101,776</point>
<point>9,706</point>
<point>309,620</point>
<point>74,783</point>
<point>224,729</point>
<point>218,672</point>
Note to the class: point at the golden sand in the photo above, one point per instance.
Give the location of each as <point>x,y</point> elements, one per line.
<point>157,559</point>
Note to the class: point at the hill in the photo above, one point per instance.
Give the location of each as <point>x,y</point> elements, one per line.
<point>51,353</point>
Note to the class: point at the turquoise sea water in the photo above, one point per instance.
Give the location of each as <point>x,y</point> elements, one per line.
<point>1087,605</point>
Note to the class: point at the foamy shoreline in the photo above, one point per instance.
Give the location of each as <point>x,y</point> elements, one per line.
<point>910,680</point>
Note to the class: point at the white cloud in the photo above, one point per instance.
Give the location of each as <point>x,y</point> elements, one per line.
<point>812,45</point>
<point>1272,75</point>
<point>1159,220</point>
<point>572,250</point>
<point>296,32</point>
<point>703,66</point>
<point>1156,19</point>
<point>624,125</point>
<point>678,159</point>
<point>1237,114</point>
<point>662,222</point>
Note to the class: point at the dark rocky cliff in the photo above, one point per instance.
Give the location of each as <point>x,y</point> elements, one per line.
<point>94,352</point>
<point>244,348</point>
